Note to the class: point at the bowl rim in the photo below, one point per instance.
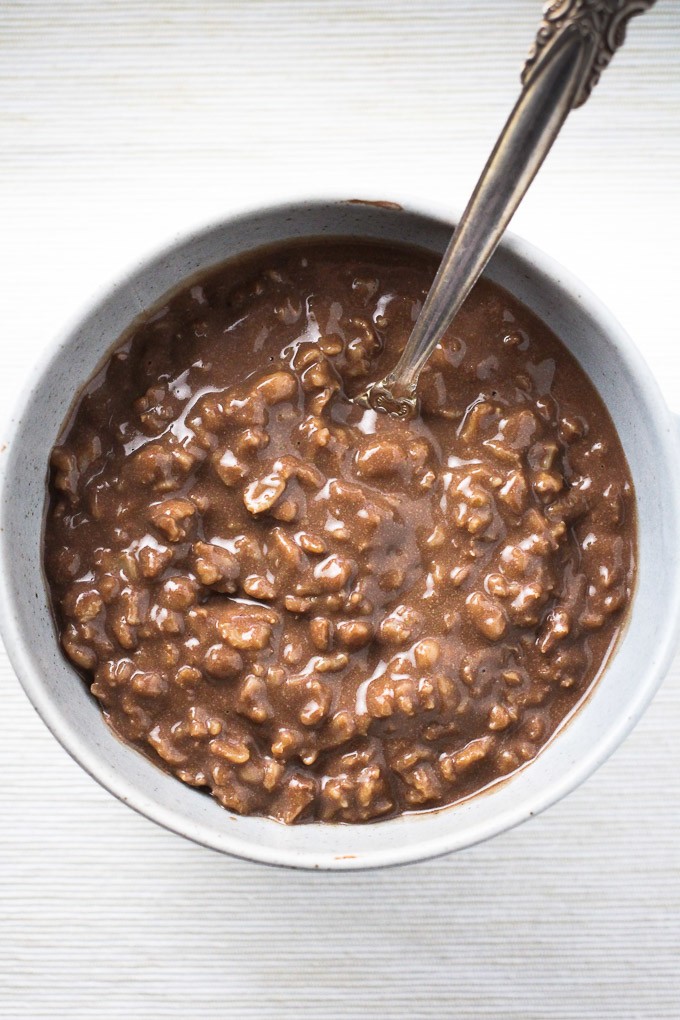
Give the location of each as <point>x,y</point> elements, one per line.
<point>667,431</point>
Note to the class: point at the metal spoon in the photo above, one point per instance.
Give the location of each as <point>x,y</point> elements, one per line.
<point>575,42</point>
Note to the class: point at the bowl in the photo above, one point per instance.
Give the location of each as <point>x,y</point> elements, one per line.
<point>650,437</point>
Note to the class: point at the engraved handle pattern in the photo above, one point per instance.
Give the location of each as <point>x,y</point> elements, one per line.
<point>603,22</point>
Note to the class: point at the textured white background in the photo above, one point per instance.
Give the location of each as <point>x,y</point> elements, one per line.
<point>124,122</point>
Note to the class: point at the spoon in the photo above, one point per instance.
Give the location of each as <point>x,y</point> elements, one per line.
<point>575,42</point>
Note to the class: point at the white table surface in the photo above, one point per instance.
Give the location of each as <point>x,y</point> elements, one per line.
<point>125,122</point>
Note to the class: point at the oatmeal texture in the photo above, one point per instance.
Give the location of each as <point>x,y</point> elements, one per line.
<point>314,611</point>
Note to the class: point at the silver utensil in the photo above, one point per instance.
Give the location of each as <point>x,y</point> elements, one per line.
<point>575,42</point>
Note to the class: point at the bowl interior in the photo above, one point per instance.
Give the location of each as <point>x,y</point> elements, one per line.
<point>627,685</point>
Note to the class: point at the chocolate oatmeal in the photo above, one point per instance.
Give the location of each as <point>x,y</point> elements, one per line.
<point>314,611</point>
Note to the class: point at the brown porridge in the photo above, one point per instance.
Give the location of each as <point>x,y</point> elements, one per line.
<point>312,610</point>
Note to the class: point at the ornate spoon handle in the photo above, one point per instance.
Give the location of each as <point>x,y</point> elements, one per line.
<point>575,42</point>
<point>603,22</point>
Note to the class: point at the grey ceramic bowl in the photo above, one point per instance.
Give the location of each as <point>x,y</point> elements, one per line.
<point>650,438</point>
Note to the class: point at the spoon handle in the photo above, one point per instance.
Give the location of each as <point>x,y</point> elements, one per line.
<point>575,42</point>
<point>603,21</point>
